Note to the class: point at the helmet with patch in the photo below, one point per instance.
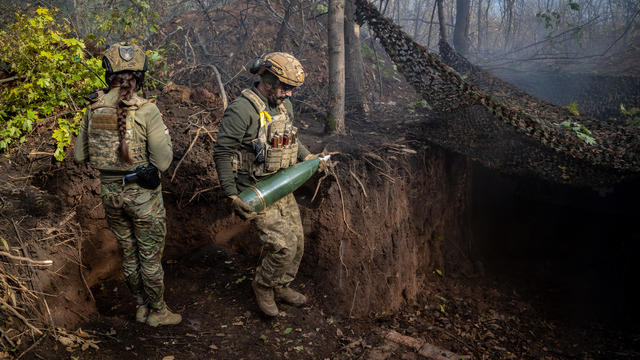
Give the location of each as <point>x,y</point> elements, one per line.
<point>124,56</point>
<point>283,65</point>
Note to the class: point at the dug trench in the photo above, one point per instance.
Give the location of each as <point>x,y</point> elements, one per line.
<point>401,235</point>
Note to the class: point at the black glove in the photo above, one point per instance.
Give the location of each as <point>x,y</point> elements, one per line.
<point>147,177</point>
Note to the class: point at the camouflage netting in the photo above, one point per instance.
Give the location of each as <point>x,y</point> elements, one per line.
<point>485,118</point>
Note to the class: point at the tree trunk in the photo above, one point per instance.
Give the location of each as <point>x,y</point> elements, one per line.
<point>354,76</point>
<point>507,29</point>
<point>443,28</point>
<point>479,28</point>
<point>335,118</point>
<point>416,21</point>
<point>460,39</point>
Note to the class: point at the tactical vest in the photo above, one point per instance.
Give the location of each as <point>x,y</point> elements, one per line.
<point>277,134</point>
<point>104,137</point>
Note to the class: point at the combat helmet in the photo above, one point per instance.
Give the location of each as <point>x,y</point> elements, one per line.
<point>283,65</point>
<point>124,56</point>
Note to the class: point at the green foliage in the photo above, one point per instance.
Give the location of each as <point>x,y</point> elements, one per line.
<point>551,18</point>
<point>574,6</point>
<point>554,18</point>
<point>366,50</point>
<point>632,116</point>
<point>51,83</point>
<point>421,104</point>
<point>580,130</point>
<point>322,8</point>
<point>573,108</point>
<point>133,19</point>
<point>157,68</point>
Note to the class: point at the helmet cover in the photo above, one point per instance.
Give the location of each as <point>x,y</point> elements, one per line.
<point>284,66</point>
<point>124,56</point>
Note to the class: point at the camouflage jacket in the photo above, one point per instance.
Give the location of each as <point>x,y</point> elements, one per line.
<point>240,125</point>
<point>149,132</point>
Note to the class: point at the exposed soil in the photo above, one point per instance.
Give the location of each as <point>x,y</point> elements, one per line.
<point>406,261</point>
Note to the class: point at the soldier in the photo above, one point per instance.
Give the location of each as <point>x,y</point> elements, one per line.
<point>256,139</point>
<point>123,136</point>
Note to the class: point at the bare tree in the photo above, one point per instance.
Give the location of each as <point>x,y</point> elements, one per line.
<point>335,118</point>
<point>479,28</point>
<point>283,28</point>
<point>353,63</point>
<point>460,39</point>
<point>443,29</point>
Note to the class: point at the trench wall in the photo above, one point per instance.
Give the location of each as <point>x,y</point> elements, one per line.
<point>373,255</point>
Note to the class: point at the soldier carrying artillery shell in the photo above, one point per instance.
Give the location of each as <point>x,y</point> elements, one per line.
<point>257,139</point>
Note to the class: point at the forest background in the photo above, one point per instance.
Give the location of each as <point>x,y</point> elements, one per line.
<point>51,48</point>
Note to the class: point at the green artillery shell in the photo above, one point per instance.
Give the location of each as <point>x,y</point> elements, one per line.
<point>284,182</point>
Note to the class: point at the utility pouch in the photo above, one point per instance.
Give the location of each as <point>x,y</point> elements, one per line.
<point>259,151</point>
<point>147,177</point>
<point>274,159</point>
<point>293,155</point>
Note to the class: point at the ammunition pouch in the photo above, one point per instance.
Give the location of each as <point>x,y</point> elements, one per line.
<point>275,147</point>
<point>147,177</point>
<point>275,159</point>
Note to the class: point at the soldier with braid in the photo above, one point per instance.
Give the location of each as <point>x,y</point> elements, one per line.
<point>123,136</point>
<point>249,149</point>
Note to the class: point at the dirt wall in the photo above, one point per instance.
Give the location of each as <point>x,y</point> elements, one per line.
<point>374,259</point>
<point>372,255</point>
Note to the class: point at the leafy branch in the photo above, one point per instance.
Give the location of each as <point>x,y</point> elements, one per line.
<point>49,82</point>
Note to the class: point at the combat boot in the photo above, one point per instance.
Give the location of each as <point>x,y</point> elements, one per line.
<point>142,311</point>
<point>290,296</point>
<point>265,298</point>
<point>163,316</point>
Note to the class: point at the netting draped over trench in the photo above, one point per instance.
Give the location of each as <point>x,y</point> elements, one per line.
<point>485,118</point>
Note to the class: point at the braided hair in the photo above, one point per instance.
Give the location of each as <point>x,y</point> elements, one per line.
<point>129,82</point>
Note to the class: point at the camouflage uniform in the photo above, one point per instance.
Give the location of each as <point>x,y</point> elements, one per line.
<point>279,226</point>
<point>135,215</point>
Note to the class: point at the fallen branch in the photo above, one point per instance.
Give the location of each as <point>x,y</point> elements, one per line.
<point>33,345</point>
<point>21,258</point>
<point>19,316</point>
<point>423,348</point>
<point>9,79</point>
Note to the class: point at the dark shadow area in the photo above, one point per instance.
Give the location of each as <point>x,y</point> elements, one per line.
<point>571,250</point>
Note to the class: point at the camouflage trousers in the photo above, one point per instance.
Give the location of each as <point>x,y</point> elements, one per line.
<point>138,219</point>
<point>280,231</point>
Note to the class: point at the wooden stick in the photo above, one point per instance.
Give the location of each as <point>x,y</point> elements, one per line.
<point>20,258</point>
<point>423,348</point>
<point>353,301</point>
<point>32,345</point>
<point>19,316</point>
<point>186,152</point>
<point>9,79</point>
